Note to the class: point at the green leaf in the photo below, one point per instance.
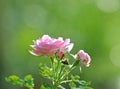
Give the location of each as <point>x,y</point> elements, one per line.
<point>15,80</point>
<point>78,84</point>
<point>74,78</point>
<point>75,63</point>
<point>42,87</point>
<point>46,71</point>
<point>85,87</point>
<point>72,85</point>
<point>84,83</point>
<point>45,86</point>
<point>28,81</point>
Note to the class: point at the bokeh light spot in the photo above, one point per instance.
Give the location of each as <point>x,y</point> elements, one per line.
<point>35,16</point>
<point>115,55</point>
<point>108,5</point>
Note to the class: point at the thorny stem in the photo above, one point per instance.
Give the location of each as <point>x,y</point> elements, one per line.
<point>55,65</point>
<point>66,81</point>
<point>60,72</point>
<point>69,70</point>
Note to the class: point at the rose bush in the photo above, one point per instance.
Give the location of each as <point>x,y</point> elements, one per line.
<point>57,50</point>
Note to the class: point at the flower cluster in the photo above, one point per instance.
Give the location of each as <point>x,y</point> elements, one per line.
<point>47,46</point>
<point>58,51</point>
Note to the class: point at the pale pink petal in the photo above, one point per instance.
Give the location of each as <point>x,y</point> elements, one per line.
<point>84,58</point>
<point>70,46</point>
<point>46,38</point>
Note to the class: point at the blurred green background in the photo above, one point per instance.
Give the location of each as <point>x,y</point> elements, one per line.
<point>92,25</point>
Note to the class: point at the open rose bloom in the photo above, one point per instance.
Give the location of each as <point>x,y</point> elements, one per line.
<point>84,58</point>
<point>47,46</point>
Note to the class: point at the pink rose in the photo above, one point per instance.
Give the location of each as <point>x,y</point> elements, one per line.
<point>48,46</point>
<point>84,58</point>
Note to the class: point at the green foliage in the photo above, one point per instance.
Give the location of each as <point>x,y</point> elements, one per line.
<point>76,83</point>
<point>42,87</point>
<point>45,71</point>
<point>15,80</point>
<point>58,73</point>
<point>26,82</point>
<point>45,86</point>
